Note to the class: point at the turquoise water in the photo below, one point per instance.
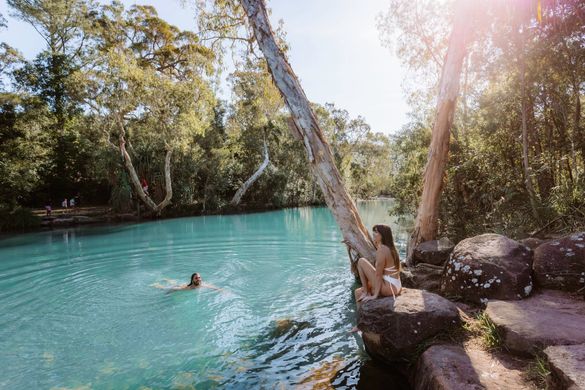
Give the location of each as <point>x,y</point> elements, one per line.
<point>79,309</point>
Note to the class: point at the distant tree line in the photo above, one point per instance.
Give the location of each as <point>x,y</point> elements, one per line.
<point>118,96</point>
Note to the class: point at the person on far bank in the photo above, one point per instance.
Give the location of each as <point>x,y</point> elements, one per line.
<point>144,185</point>
<point>383,279</point>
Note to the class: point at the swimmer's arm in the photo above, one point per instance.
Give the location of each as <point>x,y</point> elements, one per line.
<point>211,286</point>
<point>176,288</point>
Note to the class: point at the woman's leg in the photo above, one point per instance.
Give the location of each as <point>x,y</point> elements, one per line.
<point>367,274</point>
<point>357,293</point>
<point>364,290</point>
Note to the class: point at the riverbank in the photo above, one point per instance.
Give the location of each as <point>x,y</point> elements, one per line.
<point>101,215</point>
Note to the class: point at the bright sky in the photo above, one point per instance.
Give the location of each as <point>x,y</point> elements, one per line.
<point>335,51</point>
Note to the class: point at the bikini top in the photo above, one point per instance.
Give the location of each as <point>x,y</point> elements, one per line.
<point>391,269</point>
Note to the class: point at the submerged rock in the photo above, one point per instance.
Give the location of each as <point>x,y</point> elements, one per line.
<point>446,367</point>
<point>393,329</point>
<point>568,365</point>
<point>488,266</point>
<point>434,252</point>
<point>547,318</point>
<point>560,264</point>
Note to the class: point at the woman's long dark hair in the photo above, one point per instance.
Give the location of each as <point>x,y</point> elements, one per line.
<point>387,240</point>
<point>191,280</point>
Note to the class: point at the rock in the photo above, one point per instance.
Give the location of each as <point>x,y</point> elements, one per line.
<point>532,242</point>
<point>423,276</point>
<point>446,367</point>
<point>560,263</point>
<point>547,318</point>
<point>488,266</point>
<point>63,221</point>
<point>394,328</point>
<point>127,217</point>
<point>434,252</point>
<point>568,365</point>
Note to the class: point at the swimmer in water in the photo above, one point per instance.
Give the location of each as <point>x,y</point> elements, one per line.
<point>196,282</point>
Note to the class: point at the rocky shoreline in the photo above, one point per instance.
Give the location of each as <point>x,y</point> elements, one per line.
<point>487,313</point>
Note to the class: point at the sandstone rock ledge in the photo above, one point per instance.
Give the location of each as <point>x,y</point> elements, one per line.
<point>446,367</point>
<point>393,329</point>
<point>568,364</point>
<point>545,319</point>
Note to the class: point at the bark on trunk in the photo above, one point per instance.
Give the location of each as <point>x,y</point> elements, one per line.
<point>525,157</point>
<point>135,181</point>
<point>242,190</point>
<point>426,225</point>
<point>577,124</point>
<point>306,128</point>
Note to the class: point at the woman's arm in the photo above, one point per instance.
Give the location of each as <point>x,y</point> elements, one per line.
<point>211,286</point>
<point>379,274</point>
<point>176,288</point>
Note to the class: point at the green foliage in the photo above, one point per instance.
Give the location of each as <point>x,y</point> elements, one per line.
<point>121,196</point>
<point>409,150</point>
<point>17,219</point>
<point>485,188</point>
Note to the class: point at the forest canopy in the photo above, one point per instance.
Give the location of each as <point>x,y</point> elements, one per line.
<point>119,95</point>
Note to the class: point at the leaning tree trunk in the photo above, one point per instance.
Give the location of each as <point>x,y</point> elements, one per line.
<point>242,191</point>
<point>135,181</point>
<point>306,128</point>
<point>426,224</point>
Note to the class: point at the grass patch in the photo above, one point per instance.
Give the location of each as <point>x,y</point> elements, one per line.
<point>538,371</point>
<point>487,331</point>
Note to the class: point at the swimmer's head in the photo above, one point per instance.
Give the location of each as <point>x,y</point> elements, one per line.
<point>195,279</point>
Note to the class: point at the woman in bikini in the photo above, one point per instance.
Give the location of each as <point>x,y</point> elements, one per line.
<point>384,278</point>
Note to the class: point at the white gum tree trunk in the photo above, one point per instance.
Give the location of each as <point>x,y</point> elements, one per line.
<point>242,190</point>
<point>135,181</point>
<point>426,224</point>
<point>306,128</point>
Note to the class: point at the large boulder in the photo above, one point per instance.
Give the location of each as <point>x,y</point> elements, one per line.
<point>532,242</point>
<point>547,318</point>
<point>568,365</point>
<point>488,266</point>
<point>434,252</point>
<point>446,367</point>
<point>394,328</point>
<point>560,264</point>
<point>422,276</point>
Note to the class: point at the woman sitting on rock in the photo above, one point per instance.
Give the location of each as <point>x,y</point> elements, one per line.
<point>384,278</point>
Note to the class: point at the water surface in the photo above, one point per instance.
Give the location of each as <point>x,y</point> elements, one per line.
<point>79,309</point>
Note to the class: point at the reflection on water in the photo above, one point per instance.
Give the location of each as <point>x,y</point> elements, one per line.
<point>79,310</point>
